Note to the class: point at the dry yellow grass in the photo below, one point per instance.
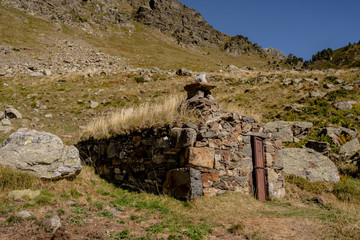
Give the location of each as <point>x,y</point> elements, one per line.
<point>146,114</point>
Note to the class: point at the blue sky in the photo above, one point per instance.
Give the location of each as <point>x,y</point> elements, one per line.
<point>301,27</point>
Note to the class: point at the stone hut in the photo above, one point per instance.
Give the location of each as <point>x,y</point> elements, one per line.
<point>223,152</point>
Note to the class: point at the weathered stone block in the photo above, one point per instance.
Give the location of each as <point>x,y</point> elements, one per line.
<point>182,137</point>
<point>200,157</point>
<point>183,183</point>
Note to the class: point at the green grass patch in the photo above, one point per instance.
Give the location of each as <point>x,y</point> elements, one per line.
<point>11,179</point>
<point>348,189</point>
<point>313,187</point>
<point>46,197</point>
<point>106,214</point>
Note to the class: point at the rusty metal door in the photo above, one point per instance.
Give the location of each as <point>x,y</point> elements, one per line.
<point>259,169</point>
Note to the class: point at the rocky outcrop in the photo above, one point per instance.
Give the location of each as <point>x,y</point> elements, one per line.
<point>308,164</point>
<point>288,131</point>
<point>40,153</point>
<point>239,45</point>
<point>184,23</point>
<point>272,52</point>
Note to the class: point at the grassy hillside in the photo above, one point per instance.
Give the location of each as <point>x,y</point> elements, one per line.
<point>345,57</point>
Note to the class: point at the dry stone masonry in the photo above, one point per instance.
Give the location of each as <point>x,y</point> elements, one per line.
<point>187,160</point>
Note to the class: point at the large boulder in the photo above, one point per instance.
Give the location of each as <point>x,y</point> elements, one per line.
<point>40,153</point>
<point>288,131</point>
<point>308,164</point>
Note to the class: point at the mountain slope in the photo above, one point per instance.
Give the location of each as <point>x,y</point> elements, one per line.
<point>163,33</point>
<point>345,57</point>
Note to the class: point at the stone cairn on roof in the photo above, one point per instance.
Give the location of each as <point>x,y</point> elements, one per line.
<point>199,99</point>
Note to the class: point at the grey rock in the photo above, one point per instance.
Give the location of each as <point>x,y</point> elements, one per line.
<point>183,72</point>
<point>184,183</point>
<point>232,68</point>
<point>343,106</point>
<point>349,148</point>
<point>40,153</point>
<point>93,104</point>
<point>52,223</point>
<point>339,81</point>
<point>5,129</point>
<point>308,164</point>
<point>49,115</point>
<point>12,113</point>
<point>201,78</point>
<point>35,74</point>
<point>316,94</point>
<point>155,70</point>
<point>2,115</point>
<point>23,214</point>
<point>288,131</point>
<point>6,122</point>
<point>47,72</point>
<point>294,106</point>
<point>347,87</point>
<point>329,86</point>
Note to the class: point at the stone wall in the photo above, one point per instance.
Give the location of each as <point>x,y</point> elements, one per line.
<point>219,153</point>
<point>187,160</point>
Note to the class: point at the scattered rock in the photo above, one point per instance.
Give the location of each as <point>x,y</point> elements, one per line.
<point>232,68</point>
<point>5,129</point>
<point>329,86</point>
<point>47,72</point>
<point>52,223</point>
<point>308,164</point>
<point>49,115</point>
<point>93,104</point>
<point>201,78</point>
<point>316,94</point>
<point>294,106</point>
<point>288,131</point>
<point>347,87</point>
<point>349,148</point>
<point>155,70</point>
<point>12,113</point>
<point>2,115</point>
<point>40,153</point>
<point>183,72</point>
<point>343,106</point>
<point>23,214</point>
<point>6,122</point>
<point>339,81</point>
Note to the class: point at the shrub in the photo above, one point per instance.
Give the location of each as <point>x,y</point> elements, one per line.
<point>348,189</point>
<point>313,187</point>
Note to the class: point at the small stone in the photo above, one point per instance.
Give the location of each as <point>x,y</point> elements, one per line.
<point>23,214</point>
<point>49,115</point>
<point>6,122</point>
<point>329,86</point>
<point>47,72</point>
<point>347,87</point>
<point>343,106</point>
<point>315,94</point>
<point>2,115</point>
<point>52,223</point>
<point>93,104</point>
<point>339,81</point>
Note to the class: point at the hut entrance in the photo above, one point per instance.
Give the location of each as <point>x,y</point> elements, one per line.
<point>259,169</point>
